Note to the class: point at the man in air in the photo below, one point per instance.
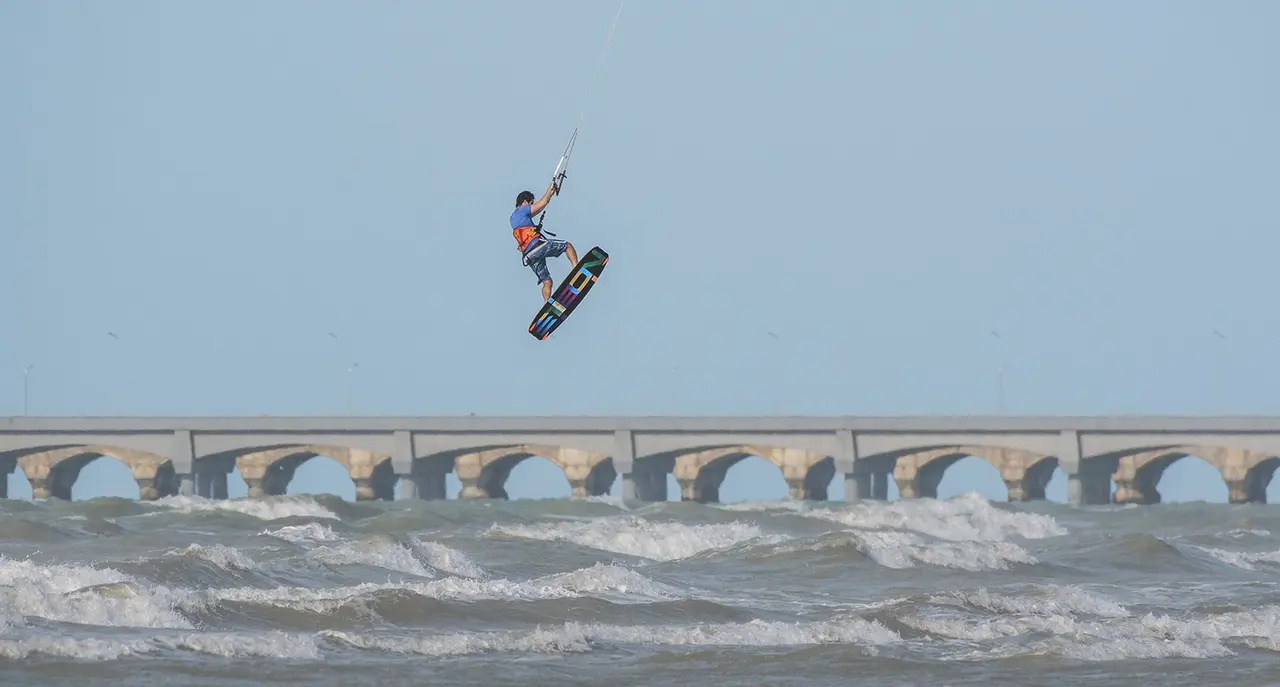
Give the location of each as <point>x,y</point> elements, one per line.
<point>534,247</point>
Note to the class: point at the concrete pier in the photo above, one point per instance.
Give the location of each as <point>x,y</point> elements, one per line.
<point>1105,459</point>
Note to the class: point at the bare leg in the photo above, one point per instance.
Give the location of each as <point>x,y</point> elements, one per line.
<point>573,254</point>
<point>546,290</point>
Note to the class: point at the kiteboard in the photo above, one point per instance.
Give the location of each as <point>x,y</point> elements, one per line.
<point>565,299</point>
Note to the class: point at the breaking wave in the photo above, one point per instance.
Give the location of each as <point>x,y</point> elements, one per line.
<point>635,536</point>
<point>936,583</point>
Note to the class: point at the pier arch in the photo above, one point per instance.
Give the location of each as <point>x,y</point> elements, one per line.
<point>963,473</point>
<point>753,478</point>
<point>1137,473</point>
<point>484,473</point>
<point>702,471</point>
<point>534,477</point>
<point>321,474</point>
<point>1025,474</point>
<point>269,471</point>
<point>102,476</point>
<point>52,471</point>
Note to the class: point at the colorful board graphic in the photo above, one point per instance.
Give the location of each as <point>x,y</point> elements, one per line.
<point>569,294</point>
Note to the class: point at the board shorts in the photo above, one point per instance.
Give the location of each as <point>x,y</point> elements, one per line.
<point>539,251</point>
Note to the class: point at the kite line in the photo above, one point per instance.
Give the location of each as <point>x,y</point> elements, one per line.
<point>582,115</point>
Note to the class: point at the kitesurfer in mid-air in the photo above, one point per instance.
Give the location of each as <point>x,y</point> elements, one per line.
<point>534,247</point>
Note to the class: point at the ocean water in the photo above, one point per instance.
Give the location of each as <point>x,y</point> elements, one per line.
<point>319,591</point>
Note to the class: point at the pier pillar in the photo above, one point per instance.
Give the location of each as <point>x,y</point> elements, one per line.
<point>1127,492</point>
<point>218,486</point>
<point>795,489</point>
<point>880,485</point>
<point>1089,485</point>
<point>147,489</point>
<point>40,488</point>
<point>906,487</point>
<point>471,489</point>
<point>1017,491</point>
<point>431,483</point>
<point>364,489</point>
<point>857,486</point>
<point>699,490</point>
<point>204,485</point>
<point>1238,491</point>
<point>646,484</point>
<point>181,467</point>
<point>408,488</point>
<point>8,466</point>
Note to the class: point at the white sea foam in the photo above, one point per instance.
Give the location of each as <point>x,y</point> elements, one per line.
<point>1111,638</point>
<point>273,508</point>
<point>80,594</point>
<point>567,638</point>
<point>581,637</point>
<point>299,534</point>
<point>1164,636</point>
<point>965,532</point>
<point>225,557</point>
<point>599,580</point>
<point>551,641</point>
<point>634,536</point>
<point>223,644</point>
<point>1238,533</point>
<point>1053,609</point>
<point>86,649</point>
<point>1086,626</point>
<point>607,500</point>
<point>610,581</point>
<point>448,559</point>
<point>377,552</point>
<point>763,506</point>
<point>1047,600</point>
<point>906,550</point>
<point>968,517</point>
<point>235,644</point>
<point>1245,560</point>
<point>417,557</point>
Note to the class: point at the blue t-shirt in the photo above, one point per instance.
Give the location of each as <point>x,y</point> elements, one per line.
<point>522,217</point>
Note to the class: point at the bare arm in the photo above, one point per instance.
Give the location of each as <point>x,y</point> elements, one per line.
<point>542,202</point>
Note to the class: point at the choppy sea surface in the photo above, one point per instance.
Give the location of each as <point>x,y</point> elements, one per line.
<point>319,591</point>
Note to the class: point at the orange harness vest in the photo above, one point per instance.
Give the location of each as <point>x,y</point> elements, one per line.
<point>524,236</point>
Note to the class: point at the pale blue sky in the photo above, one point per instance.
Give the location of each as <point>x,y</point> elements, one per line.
<point>881,184</point>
